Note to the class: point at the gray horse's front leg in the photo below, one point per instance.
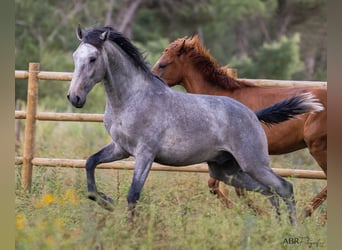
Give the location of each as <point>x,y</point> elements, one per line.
<point>141,169</point>
<point>109,153</point>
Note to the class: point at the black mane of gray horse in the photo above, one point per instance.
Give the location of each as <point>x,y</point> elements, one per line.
<point>153,123</point>
<point>93,37</point>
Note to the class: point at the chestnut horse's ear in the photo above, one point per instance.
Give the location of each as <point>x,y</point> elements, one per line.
<point>182,48</point>
<point>195,35</point>
<point>104,35</point>
<point>79,32</point>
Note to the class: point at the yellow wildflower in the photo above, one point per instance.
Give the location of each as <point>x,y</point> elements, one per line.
<point>20,222</point>
<point>44,201</point>
<point>47,199</point>
<point>70,197</point>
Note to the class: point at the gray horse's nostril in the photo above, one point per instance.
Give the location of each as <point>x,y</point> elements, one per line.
<point>77,99</point>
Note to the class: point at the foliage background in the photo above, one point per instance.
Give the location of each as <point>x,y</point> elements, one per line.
<point>283,39</point>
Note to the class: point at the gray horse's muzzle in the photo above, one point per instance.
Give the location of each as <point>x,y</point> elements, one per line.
<point>76,100</point>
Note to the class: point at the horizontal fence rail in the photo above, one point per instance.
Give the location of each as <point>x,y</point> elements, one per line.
<point>45,75</point>
<point>129,165</point>
<point>31,115</point>
<point>286,83</point>
<point>67,76</point>
<point>50,116</point>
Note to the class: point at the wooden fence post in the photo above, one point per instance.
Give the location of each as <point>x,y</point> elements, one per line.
<point>17,125</point>
<point>31,110</point>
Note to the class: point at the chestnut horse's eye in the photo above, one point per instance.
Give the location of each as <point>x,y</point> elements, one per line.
<point>92,59</point>
<point>162,66</point>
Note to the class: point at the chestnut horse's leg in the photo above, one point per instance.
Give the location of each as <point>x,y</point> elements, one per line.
<point>213,184</point>
<point>241,193</point>
<point>317,145</point>
<point>316,202</point>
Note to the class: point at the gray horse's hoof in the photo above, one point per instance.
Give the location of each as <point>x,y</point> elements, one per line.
<point>101,199</point>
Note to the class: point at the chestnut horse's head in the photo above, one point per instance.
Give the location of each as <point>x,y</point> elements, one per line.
<point>171,65</point>
<point>186,60</point>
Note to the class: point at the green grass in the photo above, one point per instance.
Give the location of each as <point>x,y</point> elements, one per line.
<point>176,210</point>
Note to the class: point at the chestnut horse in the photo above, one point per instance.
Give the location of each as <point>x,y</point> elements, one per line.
<point>187,62</point>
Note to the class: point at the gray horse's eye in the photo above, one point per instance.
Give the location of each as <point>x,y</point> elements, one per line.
<point>92,59</point>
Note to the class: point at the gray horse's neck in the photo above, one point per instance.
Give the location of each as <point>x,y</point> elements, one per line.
<point>123,80</point>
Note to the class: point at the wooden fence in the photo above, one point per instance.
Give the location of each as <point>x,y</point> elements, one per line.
<point>28,160</point>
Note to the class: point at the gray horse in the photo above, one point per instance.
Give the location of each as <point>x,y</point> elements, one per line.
<point>153,123</point>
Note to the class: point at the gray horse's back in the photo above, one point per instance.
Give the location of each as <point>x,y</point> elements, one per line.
<point>201,127</point>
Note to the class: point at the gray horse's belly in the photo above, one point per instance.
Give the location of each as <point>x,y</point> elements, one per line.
<point>184,158</point>
<point>177,162</point>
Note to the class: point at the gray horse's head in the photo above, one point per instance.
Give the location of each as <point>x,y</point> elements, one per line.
<point>89,69</point>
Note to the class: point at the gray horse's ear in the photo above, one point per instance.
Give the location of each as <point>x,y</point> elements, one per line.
<point>104,35</point>
<point>79,32</point>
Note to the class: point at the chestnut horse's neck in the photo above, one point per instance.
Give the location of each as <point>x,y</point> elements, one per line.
<point>196,81</point>
<point>203,75</point>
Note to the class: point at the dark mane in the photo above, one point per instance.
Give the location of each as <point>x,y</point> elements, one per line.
<point>92,37</point>
<point>211,70</point>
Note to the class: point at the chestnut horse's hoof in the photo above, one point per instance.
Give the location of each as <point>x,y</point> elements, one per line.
<point>101,199</point>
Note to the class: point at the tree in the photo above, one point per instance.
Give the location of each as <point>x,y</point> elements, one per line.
<point>246,25</point>
<point>236,32</point>
<point>275,60</point>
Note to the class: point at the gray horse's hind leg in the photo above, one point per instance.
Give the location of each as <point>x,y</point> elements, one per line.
<point>244,181</point>
<point>256,165</point>
<point>282,187</point>
<point>109,153</point>
<point>230,173</point>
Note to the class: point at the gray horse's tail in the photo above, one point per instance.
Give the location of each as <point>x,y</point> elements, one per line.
<point>289,108</point>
